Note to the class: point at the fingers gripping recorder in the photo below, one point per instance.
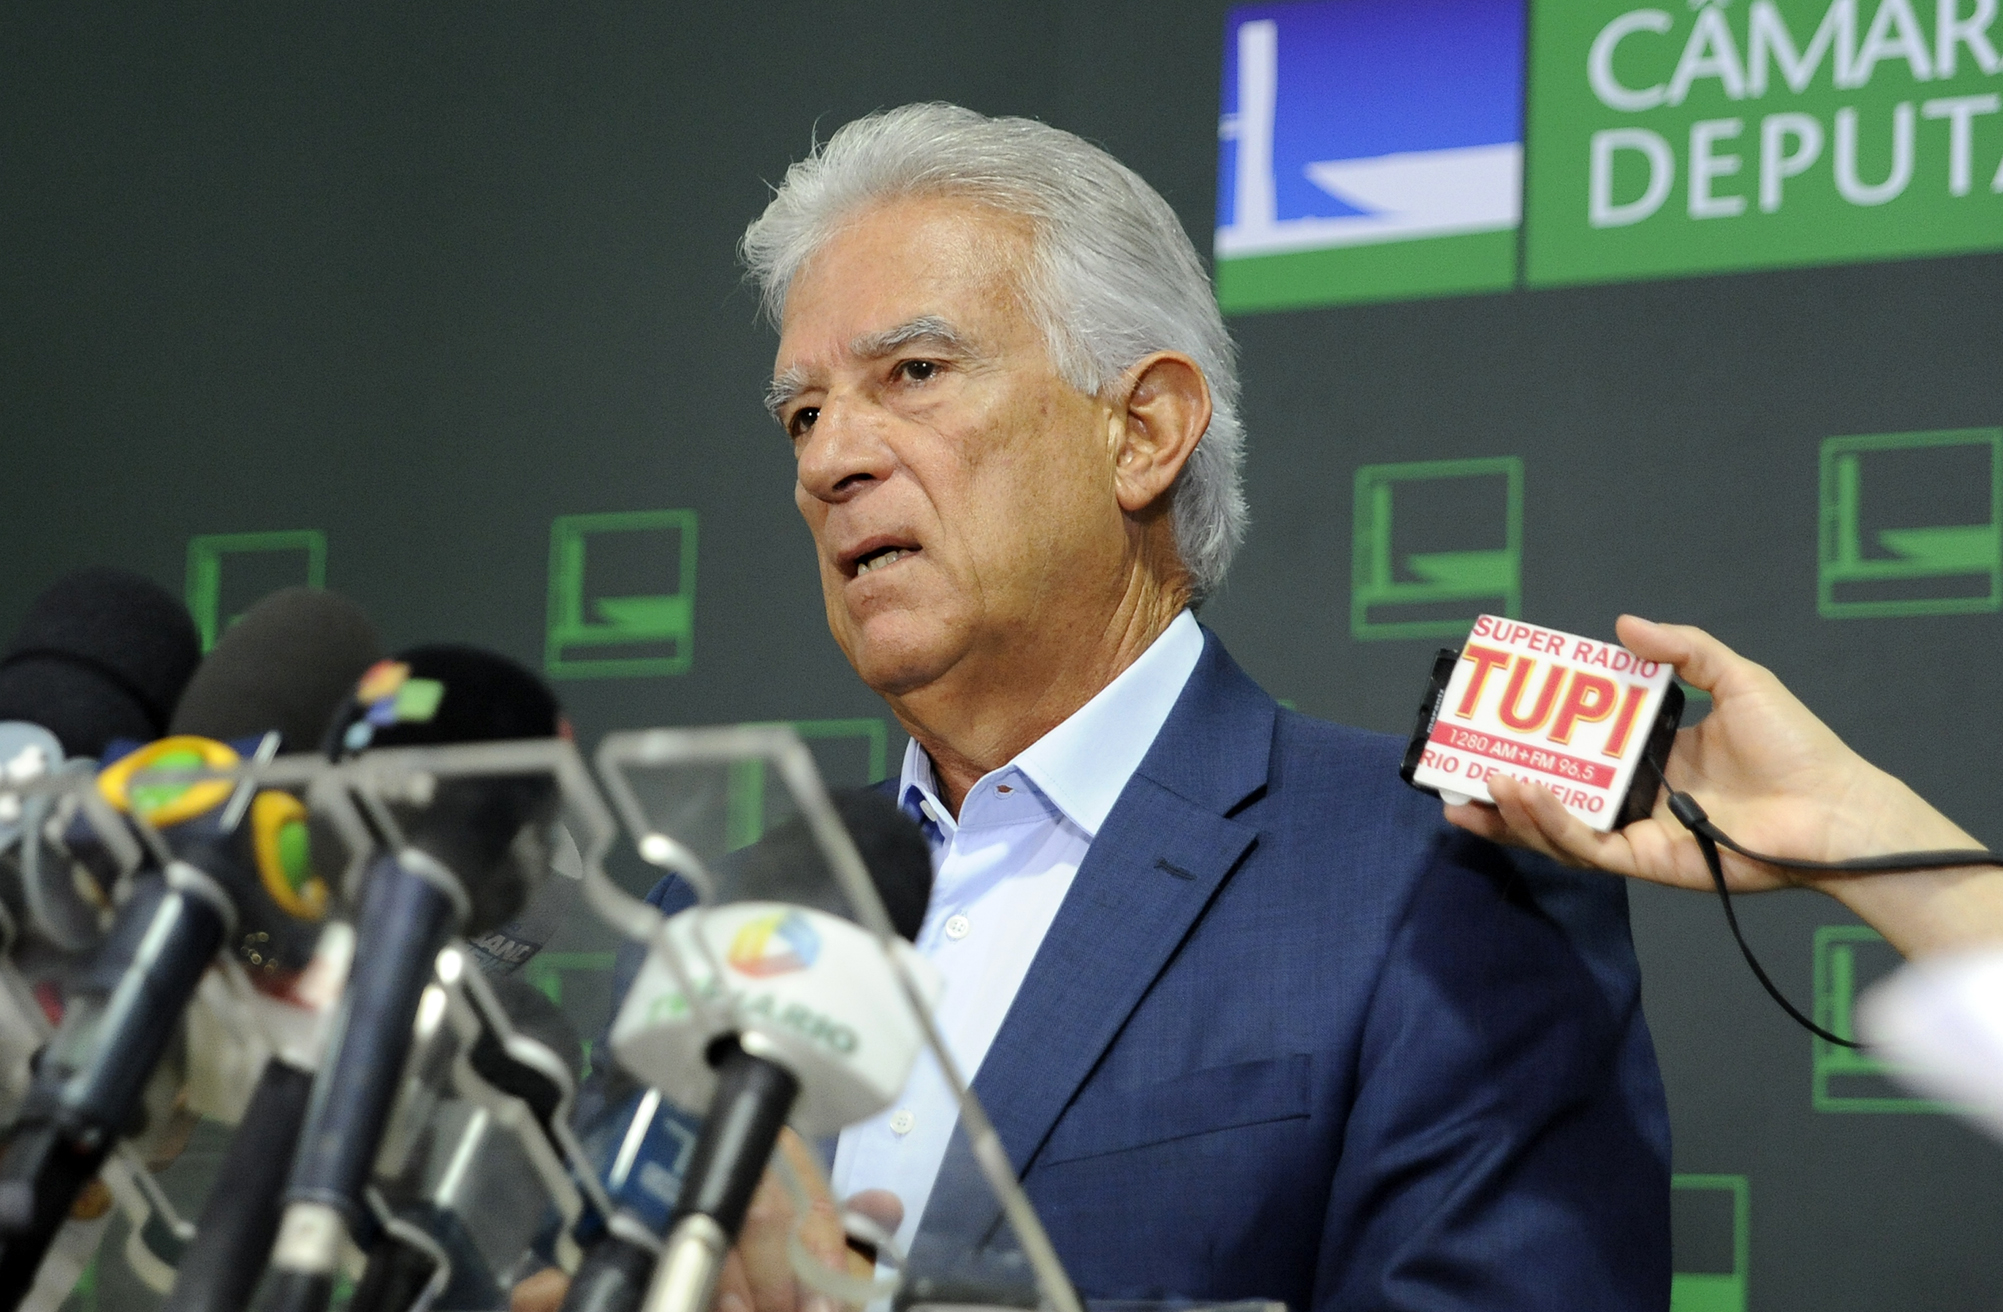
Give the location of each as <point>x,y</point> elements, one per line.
<point>767,1013</point>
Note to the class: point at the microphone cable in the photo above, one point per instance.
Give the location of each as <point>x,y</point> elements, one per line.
<point>1710,838</point>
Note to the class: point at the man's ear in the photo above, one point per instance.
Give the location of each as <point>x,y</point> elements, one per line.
<point>1167,409</point>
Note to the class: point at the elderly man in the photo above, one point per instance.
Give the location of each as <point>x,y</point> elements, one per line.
<point>1251,1020</point>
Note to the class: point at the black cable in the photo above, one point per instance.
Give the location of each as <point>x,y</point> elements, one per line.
<point>1710,838</point>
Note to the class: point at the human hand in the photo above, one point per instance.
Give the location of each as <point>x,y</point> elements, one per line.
<point>758,1276</point>
<point>541,1292</point>
<point>1776,779</point>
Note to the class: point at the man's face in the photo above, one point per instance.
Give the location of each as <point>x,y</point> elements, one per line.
<point>959,491</point>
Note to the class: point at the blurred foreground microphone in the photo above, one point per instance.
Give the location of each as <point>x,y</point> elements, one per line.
<point>103,654</point>
<point>271,690</point>
<point>126,1007</point>
<point>453,874</point>
<point>100,655</point>
<point>240,1219</point>
<point>477,1183</point>
<point>289,672</point>
<point>827,1039</point>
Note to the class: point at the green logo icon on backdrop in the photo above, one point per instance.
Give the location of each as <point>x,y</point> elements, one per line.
<point>1436,543</point>
<point>1697,138</point>
<point>1912,524</point>
<point>1848,958</point>
<point>257,564</point>
<point>1711,1223</point>
<point>621,594</point>
<point>1369,151</point>
<point>848,753</point>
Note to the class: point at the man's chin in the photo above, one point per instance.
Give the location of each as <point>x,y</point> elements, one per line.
<point>897,655</point>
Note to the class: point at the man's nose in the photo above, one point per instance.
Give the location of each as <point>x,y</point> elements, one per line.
<point>845,451</point>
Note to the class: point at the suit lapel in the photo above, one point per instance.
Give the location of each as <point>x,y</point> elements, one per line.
<point>1164,850</point>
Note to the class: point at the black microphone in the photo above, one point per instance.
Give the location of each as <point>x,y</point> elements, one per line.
<point>640,1148</point>
<point>452,874</point>
<point>754,1093</point>
<point>127,1005</point>
<point>267,686</point>
<point>496,1163</point>
<point>220,1266</point>
<point>101,654</point>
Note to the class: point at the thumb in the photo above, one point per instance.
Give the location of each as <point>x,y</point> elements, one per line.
<point>1700,659</point>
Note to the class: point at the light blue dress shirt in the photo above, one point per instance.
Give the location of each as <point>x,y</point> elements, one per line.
<point>1001,871</point>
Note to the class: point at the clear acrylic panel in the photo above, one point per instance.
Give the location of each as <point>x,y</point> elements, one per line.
<point>480,1170</point>
<point>740,816</point>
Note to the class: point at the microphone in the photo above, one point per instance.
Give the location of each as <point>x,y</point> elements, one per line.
<point>44,916</point>
<point>496,1160</point>
<point>639,1144</point>
<point>126,1005</point>
<point>823,1036</point>
<point>452,873</point>
<point>27,752</point>
<point>269,685</point>
<point>219,1270</point>
<point>287,674</point>
<point>102,655</point>
<point>642,1150</point>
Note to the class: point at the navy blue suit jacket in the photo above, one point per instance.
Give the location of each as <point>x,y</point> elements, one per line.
<point>1291,1036</point>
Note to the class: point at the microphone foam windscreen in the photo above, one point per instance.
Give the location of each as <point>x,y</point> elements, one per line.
<point>894,849</point>
<point>444,694</point>
<point>787,865</point>
<point>102,654</point>
<point>288,664</point>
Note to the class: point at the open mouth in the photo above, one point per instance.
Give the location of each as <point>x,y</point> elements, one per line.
<point>881,557</point>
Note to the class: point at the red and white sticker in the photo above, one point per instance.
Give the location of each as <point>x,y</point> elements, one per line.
<point>1556,709</point>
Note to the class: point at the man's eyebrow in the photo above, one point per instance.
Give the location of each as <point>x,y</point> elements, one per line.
<point>779,393</point>
<point>925,328</point>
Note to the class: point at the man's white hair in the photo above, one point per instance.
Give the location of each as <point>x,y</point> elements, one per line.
<point>1113,278</point>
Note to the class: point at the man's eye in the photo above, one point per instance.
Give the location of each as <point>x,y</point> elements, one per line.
<point>918,371</point>
<point>802,420</point>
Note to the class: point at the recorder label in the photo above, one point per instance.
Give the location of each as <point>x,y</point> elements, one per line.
<point>1553,708</point>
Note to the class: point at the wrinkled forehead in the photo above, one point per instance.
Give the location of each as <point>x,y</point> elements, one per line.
<point>924,259</point>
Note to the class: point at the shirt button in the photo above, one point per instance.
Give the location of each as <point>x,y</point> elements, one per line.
<point>958,928</point>
<point>902,1121</point>
<point>1003,788</point>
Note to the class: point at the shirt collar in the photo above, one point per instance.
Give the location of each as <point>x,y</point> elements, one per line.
<point>1083,765</point>
<point>918,794</point>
